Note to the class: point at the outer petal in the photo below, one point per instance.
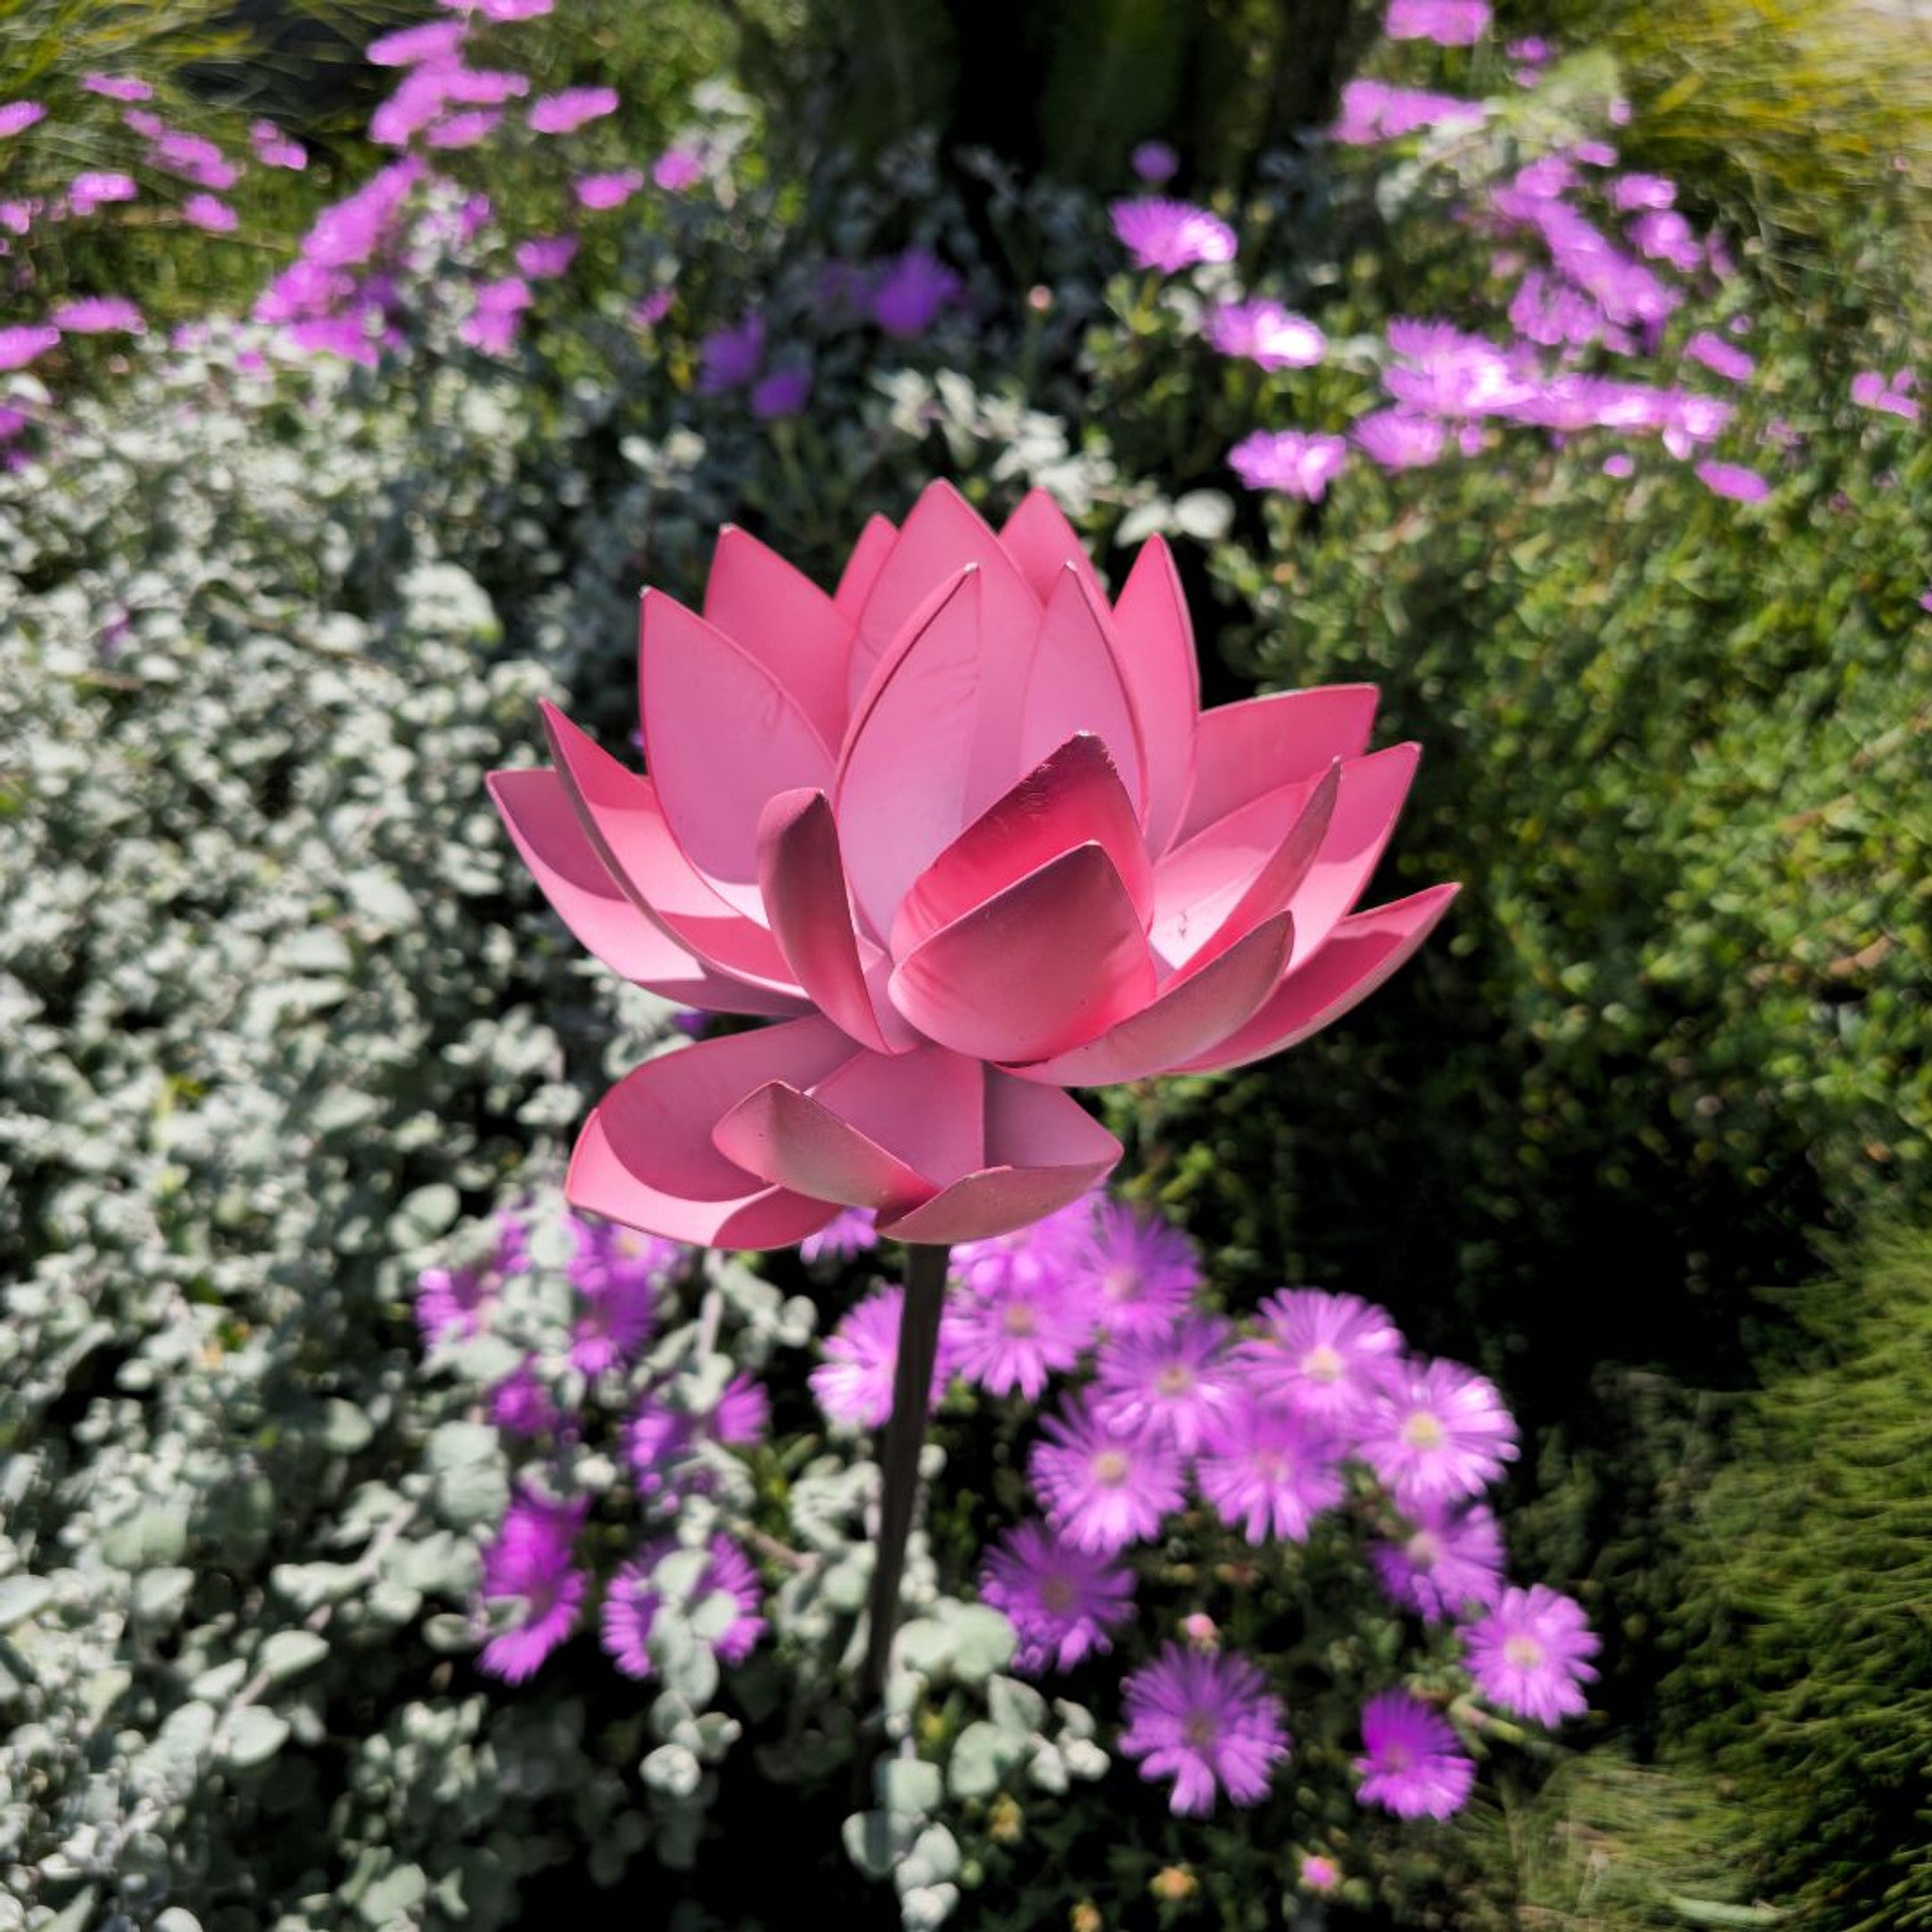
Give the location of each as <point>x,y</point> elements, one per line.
<point>722,733</point>
<point>1263,744</point>
<point>1239,871</point>
<point>1042,544</point>
<point>781,618</point>
<point>1163,680</point>
<point>928,1106</point>
<point>1073,797</point>
<point>802,879</point>
<point>621,816</point>
<point>1049,964</point>
<point>542,821</point>
<point>1188,1017</point>
<point>862,567</point>
<point>1372,790</point>
<point>1043,1153</point>
<point>1361,953</point>
<point>943,534</point>
<point>791,1139</point>
<point>1073,684</point>
<point>646,1156</point>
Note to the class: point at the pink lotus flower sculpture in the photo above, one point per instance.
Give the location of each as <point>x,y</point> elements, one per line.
<point>963,831</point>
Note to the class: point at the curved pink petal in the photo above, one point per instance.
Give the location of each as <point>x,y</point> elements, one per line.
<point>1371,797</point>
<point>1163,680</point>
<point>1361,953</point>
<point>722,734</point>
<point>544,825</point>
<point>942,535</point>
<point>1193,1015</point>
<point>621,816</point>
<point>647,1157</point>
<point>1041,542</point>
<point>928,1106</point>
<point>1047,964</point>
<point>780,617</point>
<point>1073,797</point>
<point>862,567</point>
<point>1260,744</point>
<point>802,879</point>
<point>1239,871</point>
<point>1073,684</point>
<point>1044,1151</point>
<point>791,1141</point>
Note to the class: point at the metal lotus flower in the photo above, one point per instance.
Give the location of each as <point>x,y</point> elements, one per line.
<point>963,831</point>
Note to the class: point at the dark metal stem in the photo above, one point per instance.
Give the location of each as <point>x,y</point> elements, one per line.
<point>904,1436</point>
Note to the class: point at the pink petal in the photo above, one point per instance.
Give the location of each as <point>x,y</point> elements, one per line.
<point>722,734</point>
<point>619,814</point>
<point>781,618</point>
<point>1049,964</point>
<point>1361,953</point>
<point>1073,684</point>
<point>1042,544</point>
<point>1164,681</point>
<point>537,809</point>
<point>1075,797</point>
<point>862,567</point>
<point>1193,1015</point>
<point>793,1140</point>
<point>1239,871</point>
<point>1260,744</point>
<point>928,1106</point>
<point>943,534</point>
<point>802,879</point>
<point>647,1157</point>
<point>1044,1153</point>
<point>1372,790</point>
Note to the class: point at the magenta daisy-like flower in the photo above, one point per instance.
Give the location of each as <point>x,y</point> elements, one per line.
<point>1531,1654</point>
<point>743,1412</point>
<point>782,393</point>
<point>1061,1600</point>
<point>911,291</point>
<point>521,1404</point>
<point>530,1560</point>
<point>1139,1272</point>
<point>1103,1490</point>
<point>544,256</point>
<point>1323,1355</point>
<point>1269,1471</point>
<point>93,187</point>
<point>94,315</point>
<point>210,214</point>
<point>634,1599</point>
<point>434,40</point>
<point>1294,462</point>
<point>1009,1323</point>
<point>566,112</point>
<point>1733,480</point>
<point>731,357</point>
<point>1171,235</point>
<point>1413,1763</point>
<point>1318,1874</point>
<point>16,117</point>
<point>1397,441</point>
<point>1208,1722</point>
<point>1179,1386</point>
<point>454,1302</point>
<point>1436,1431</point>
<point>677,169</point>
<point>25,343</point>
<point>1265,333</point>
<point>610,190</point>
<point>1448,23</point>
<point>618,1275</point>
<point>854,1384</point>
<point>1452,1557</point>
<point>658,1443</point>
<point>850,1232</point>
<point>117,87</point>
<point>1722,357</point>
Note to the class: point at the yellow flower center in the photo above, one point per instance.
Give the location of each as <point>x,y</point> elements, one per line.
<point>1111,1469</point>
<point>1322,1364</point>
<point>1523,1652</point>
<point>1176,1379</point>
<point>1423,1431</point>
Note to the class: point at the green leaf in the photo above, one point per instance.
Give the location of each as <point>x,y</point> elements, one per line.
<point>252,1736</point>
<point>289,1653</point>
<point>22,1597</point>
<point>424,1214</point>
<point>907,1784</point>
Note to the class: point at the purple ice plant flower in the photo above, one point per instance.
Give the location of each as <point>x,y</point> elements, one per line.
<point>1732,480</point>
<point>1620,464</point>
<point>1265,333</point>
<point>1394,440</point>
<point>1449,1558</point>
<point>1448,23</point>
<point>1294,462</point>
<point>850,1232</point>
<point>1179,1387</point>
<point>93,187</point>
<point>911,291</point>
<point>1155,162</point>
<point>1440,371</point>
<point>435,41</point>
<point>493,323</point>
<point>1719,356</point>
<point>1373,112</point>
<point>1137,1272</point>
<point>782,393</point>
<point>1663,235</point>
<point>505,11</point>
<point>522,1405</point>
<point>25,343</point>
<point>731,357</point>
<point>16,117</point>
<point>566,112</point>
<point>117,87</point>
<point>543,257</point>
<point>1318,1874</point>
<point>346,234</point>
<point>1062,1601</point>
<point>854,1384</point>
<point>1631,194</point>
<point>1268,1472</point>
<point>96,315</point>
<point>1010,1321</point>
<point>274,149</point>
<point>194,159</point>
<point>209,212</point>
<point>1530,1654</point>
<point>530,1560</point>
<point>743,1413</point>
<point>1872,391</point>
<point>1436,1431</point>
<point>457,1303</point>
<point>468,129</point>
<point>607,190</point>
<point>1102,1490</point>
<point>1412,1763</point>
<point>619,1275</point>
<point>1169,236</point>
<point>1208,1722</point>
<point>658,1443</point>
<point>677,169</point>
<point>1322,1355</point>
<point>635,1598</point>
